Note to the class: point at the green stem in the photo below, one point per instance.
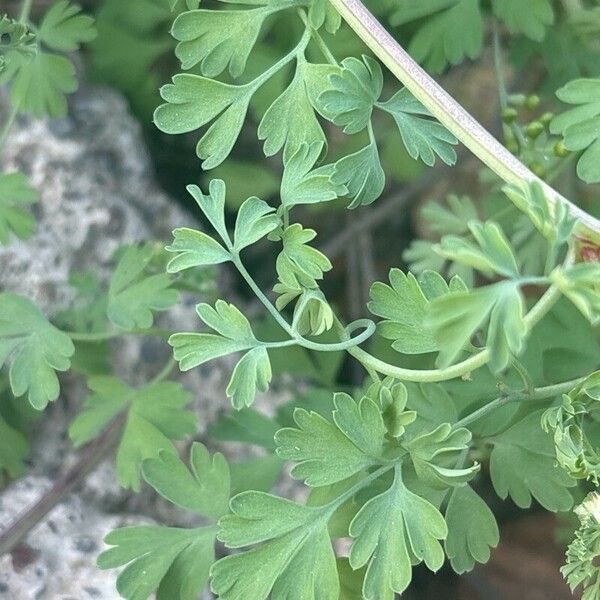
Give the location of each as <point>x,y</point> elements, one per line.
<point>316,36</point>
<point>25,11</point>
<point>541,393</point>
<point>544,304</point>
<point>448,111</point>
<point>12,115</point>
<point>164,372</point>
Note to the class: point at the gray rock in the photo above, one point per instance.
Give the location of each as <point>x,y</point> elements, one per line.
<point>57,561</point>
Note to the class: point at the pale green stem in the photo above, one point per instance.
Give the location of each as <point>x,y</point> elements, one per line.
<point>541,393</point>
<point>25,11</point>
<point>14,111</point>
<point>102,336</point>
<point>448,111</point>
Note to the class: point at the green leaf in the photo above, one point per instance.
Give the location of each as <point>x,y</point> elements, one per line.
<point>213,205</point>
<point>472,529</point>
<point>175,562</point>
<point>65,28</point>
<point>354,93</point>
<point>14,449</point>
<point>323,14</point>
<point>155,415</point>
<point>362,175</point>
<point>17,44</point>
<point>492,252</point>
<point>255,219</point>
<point>580,283</point>
<point>194,249</point>
<point>405,305</point>
<point>452,32</point>
<point>41,84</point>
<point>434,455</point>
<point>252,374</point>
<point>454,218</point>
<point>525,444</point>
<point>132,296</point>
<point>390,551</point>
<point>38,349</point>
<point>328,452</point>
<point>290,121</point>
<point>579,126</point>
<point>422,136</point>
<point>218,39</point>
<point>203,489</point>
<point>531,18</point>
<point>194,101</point>
<point>298,264</point>
<point>296,549</point>
<point>15,196</point>
<point>302,185</point>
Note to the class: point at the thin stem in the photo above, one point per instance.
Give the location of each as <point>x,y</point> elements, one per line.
<point>164,372</point>
<point>25,11</point>
<point>316,36</point>
<point>448,111</point>
<point>541,393</point>
<point>10,120</point>
<point>498,65</point>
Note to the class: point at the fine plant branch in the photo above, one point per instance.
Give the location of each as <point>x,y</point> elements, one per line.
<point>101,336</point>
<point>449,112</point>
<point>94,454</point>
<point>540,393</point>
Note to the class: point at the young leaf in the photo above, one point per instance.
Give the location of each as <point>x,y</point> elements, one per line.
<point>298,264</point>
<point>218,38</point>
<point>131,296</point>
<point>255,219</point>
<point>322,13</point>
<point>491,254</point>
<point>390,551</point>
<point>65,28</point>
<point>248,426</point>
<point>38,349</point>
<point>296,549</point>
<point>155,415</point>
<point>404,307</point>
<point>453,218</point>
<point>423,137</point>
<point>193,101</point>
<point>302,185</point>
<point>15,196</point>
<point>579,125</point>
<point>354,93</point>
<point>290,121</point>
<point>251,374</point>
<point>362,175</point>
<point>472,529</point>
<point>328,452</point>
<point>174,562</point>
<point>203,489</point>
<point>525,444</point>
<point>452,32</point>
<point>531,18</point>
<point>435,453</point>
<point>581,285</point>
<point>213,205</point>
<point>41,84</point>
<point>194,249</point>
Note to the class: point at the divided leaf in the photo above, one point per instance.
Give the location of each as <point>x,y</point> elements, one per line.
<point>422,136</point>
<point>349,103</point>
<point>579,126</point>
<point>132,296</point>
<point>156,415</point>
<point>38,349</point>
<point>393,531</point>
<point>171,561</point>
<point>65,28</point>
<point>14,449</point>
<point>580,283</point>
<point>252,374</point>
<point>472,529</point>
<point>405,305</point>
<point>525,444</point>
<point>529,18</point>
<point>296,548</point>
<point>255,219</point>
<point>327,452</point>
